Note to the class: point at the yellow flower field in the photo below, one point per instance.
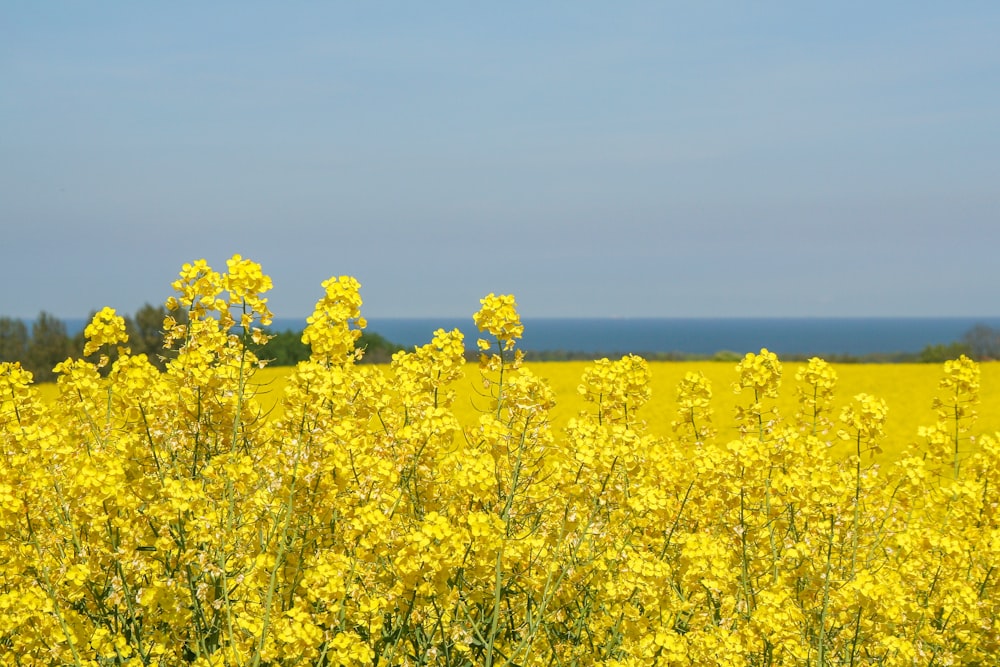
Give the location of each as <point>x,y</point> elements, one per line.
<point>908,389</point>
<point>434,512</point>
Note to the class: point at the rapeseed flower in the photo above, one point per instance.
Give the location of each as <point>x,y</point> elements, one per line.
<point>154,517</point>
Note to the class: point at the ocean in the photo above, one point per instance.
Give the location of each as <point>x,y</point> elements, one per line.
<point>703,336</point>
<point>694,336</point>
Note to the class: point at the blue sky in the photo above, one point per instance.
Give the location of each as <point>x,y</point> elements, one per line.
<point>594,159</point>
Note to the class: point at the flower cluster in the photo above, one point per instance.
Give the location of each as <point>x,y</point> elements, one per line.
<point>106,328</point>
<point>817,382</point>
<point>956,410</point>
<point>694,408</point>
<point>328,330</point>
<point>761,375</point>
<point>616,387</point>
<point>246,282</point>
<point>499,318</point>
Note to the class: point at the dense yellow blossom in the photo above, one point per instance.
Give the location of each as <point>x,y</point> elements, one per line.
<point>106,328</point>
<point>409,516</point>
<point>694,407</point>
<point>498,317</point>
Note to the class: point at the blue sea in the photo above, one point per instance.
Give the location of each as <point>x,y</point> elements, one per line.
<point>701,336</point>
<point>694,336</point>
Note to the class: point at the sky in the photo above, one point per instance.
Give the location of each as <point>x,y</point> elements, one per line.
<point>595,159</point>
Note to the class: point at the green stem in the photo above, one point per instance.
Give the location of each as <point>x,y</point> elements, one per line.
<point>50,590</point>
<point>826,597</point>
<point>279,558</point>
<point>857,509</point>
<point>495,616</point>
<point>957,432</point>
<point>503,365</point>
<point>744,556</point>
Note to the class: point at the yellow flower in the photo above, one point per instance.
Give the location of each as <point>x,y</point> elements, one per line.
<point>328,330</point>
<point>759,372</point>
<point>816,396</point>
<point>866,415</point>
<point>498,316</point>
<point>694,412</point>
<point>106,328</point>
<point>246,282</point>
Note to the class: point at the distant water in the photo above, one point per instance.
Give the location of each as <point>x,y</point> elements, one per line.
<point>698,336</point>
<point>703,336</point>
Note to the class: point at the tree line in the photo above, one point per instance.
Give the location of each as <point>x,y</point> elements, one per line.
<point>981,343</point>
<point>47,342</point>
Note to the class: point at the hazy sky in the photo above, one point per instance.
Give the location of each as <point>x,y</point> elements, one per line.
<point>593,158</point>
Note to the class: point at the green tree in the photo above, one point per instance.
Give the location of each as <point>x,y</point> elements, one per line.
<point>377,349</point>
<point>49,345</point>
<point>145,333</point>
<point>145,336</point>
<point>13,339</point>
<point>285,348</point>
<point>938,354</point>
<point>983,342</point>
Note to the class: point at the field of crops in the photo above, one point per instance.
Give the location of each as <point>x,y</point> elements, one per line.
<point>434,512</point>
<point>908,390</point>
